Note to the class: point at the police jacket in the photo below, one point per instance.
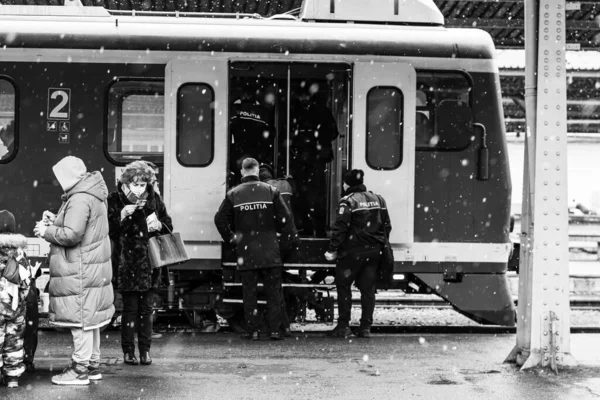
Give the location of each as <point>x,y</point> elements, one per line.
<point>313,130</point>
<point>249,218</point>
<point>361,224</point>
<point>253,136</point>
<point>285,190</point>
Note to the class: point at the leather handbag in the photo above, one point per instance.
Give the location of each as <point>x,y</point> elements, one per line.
<point>165,250</point>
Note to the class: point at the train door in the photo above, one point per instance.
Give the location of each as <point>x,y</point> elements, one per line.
<point>384,138</point>
<point>195,150</point>
<point>293,116</point>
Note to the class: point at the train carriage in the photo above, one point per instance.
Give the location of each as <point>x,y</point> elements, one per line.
<point>417,106</point>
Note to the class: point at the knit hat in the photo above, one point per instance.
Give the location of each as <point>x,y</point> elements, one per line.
<point>69,171</point>
<point>354,177</point>
<point>7,222</point>
<point>265,172</point>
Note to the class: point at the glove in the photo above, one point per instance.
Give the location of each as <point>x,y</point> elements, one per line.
<point>40,229</point>
<point>331,256</point>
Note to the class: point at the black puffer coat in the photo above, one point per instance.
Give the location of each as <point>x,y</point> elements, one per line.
<point>131,266</point>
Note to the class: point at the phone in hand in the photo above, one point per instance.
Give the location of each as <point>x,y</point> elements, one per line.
<point>140,203</point>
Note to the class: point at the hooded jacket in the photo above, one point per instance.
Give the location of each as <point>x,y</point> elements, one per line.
<point>81,293</point>
<point>13,289</point>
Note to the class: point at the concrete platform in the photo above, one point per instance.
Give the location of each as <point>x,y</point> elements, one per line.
<point>312,366</point>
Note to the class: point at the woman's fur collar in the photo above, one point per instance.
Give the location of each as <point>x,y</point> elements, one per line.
<point>14,240</point>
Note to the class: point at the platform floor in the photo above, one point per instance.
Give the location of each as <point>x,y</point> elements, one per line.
<point>312,366</point>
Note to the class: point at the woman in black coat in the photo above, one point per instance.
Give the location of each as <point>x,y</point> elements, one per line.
<point>135,214</point>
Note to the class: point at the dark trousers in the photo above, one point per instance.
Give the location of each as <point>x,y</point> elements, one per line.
<point>271,279</point>
<point>361,269</point>
<point>137,318</point>
<point>30,339</point>
<point>310,202</point>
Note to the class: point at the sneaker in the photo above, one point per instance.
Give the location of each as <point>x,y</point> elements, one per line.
<point>363,333</point>
<point>70,376</point>
<point>275,336</point>
<point>340,332</point>
<point>12,381</point>
<point>29,367</point>
<point>94,373</point>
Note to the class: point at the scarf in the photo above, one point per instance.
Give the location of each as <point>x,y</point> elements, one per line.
<point>131,197</point>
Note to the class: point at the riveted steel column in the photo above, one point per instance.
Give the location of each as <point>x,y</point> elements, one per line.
<point>543,328</point>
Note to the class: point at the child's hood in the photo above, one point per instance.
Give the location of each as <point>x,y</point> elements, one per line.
<point>12,241</point>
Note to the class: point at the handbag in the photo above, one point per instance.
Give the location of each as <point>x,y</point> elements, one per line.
<point>165,250</point>
<point>386,262</point>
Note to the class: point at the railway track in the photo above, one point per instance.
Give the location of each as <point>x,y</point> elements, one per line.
<point>576,304</point>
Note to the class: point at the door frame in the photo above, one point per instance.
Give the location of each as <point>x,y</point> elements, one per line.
<point>397,186</point>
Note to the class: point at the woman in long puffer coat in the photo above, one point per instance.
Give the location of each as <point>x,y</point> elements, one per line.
<point>136,214</point>
<point>81,294</point>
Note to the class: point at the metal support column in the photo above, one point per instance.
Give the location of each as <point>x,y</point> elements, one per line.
<point>543,326</point>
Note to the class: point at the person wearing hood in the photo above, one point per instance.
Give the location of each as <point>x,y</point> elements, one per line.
<point>136,213</point>
<point>358,238</point>
<point>81,294</point>
<point>14,287</point>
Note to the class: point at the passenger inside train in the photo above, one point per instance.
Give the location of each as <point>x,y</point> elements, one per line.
<point>293,117</point>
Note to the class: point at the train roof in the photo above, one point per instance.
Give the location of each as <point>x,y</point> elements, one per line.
<point>96,28</point>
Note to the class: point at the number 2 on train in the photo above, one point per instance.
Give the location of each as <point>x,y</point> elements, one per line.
<point>59,103</point>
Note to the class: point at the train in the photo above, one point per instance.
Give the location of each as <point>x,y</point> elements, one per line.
<point>418,107</point>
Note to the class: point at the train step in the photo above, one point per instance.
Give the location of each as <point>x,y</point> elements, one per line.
<point>305,285</point>
<point>290,265</point>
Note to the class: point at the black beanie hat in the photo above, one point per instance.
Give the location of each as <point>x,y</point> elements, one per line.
<point>265,172</point>
<point>7,222</point>
<point>354,177</point>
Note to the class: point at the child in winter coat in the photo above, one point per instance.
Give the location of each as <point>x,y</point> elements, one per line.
<point>14,287</point>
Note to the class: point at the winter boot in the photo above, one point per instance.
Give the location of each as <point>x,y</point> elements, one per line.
<point>340,332</point>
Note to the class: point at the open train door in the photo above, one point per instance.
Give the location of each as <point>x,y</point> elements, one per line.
<point>383,138</point>
<point>196,153</point>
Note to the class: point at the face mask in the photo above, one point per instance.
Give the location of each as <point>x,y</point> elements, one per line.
<point>137,190</point>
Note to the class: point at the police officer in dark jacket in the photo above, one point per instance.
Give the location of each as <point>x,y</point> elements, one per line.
<point>251,131</point>
<point>250,217</point>
<point>313,131</point>
<point>357,240</point>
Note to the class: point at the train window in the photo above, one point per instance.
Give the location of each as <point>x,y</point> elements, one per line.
<point>384,128</point>
<point>135,121</point>
<point>433,88</point>
<point>195,124</point>
<point>7,121</point>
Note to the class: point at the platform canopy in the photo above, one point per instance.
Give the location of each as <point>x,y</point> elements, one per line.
<point>504,20</point>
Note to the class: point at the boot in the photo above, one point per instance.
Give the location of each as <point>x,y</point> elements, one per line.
<point>145,358</point>
<point>129,358</point>
<point>340,332</point>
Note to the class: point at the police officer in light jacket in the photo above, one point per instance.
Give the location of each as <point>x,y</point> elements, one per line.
<point>249,218</point>
<point>357,240</point>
